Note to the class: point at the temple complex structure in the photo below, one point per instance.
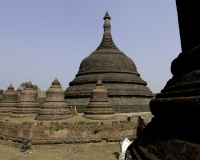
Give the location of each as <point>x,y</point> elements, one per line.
<point>126,90</point>
<point>9,101</point>
<point>55,107</point>
<point>28,104</point>
<point>99,107</point>
<point>173,133</point>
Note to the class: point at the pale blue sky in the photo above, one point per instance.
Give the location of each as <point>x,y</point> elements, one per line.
<point>42,39</point>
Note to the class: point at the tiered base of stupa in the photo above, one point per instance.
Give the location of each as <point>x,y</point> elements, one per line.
<point>124,98</point>
<point>26,109</point>
<point>119,105</point>
<point>99,111</point>
<point>54,111</point>
<point>7,109</point>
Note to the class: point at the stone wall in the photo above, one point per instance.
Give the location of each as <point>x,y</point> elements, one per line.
<point>43,133</point>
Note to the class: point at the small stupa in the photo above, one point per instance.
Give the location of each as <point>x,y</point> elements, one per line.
<point>9,101</point>
<point>28,104</point>
<point>55,107</point>
<point>19,91</point>
<point>99,107</point>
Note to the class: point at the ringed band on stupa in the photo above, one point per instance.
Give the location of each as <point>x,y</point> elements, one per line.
<point>127,91</point>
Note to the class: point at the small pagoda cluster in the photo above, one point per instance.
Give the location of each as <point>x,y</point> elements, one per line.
<point>24,103</point>
<point>99,107</point>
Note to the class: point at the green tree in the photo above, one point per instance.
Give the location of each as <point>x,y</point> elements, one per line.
<point>35,87</point>
<point>23,85</point>
<point>1,91</point>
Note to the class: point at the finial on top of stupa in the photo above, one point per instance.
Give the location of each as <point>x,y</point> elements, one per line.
<point>29,85</point>
<point>99,83</point>
<point>11,86</point>
<point>107,16</point>
<point>19,89</point>
<point>56,82</point>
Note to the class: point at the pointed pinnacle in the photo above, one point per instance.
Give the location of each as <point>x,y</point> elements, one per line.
<point>107,16</point>
<point>99,83</point>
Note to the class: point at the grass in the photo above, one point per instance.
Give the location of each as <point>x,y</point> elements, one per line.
<point>57,127</point>
<point>68,153</point>
<point>80,119</point>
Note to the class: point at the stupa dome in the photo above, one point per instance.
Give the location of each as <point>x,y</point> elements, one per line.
<point>127,91</point>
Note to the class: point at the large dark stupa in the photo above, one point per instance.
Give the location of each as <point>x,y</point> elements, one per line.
<point>127,91</point>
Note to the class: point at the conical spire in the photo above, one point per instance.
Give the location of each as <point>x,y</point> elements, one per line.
<point>99,83</point>
<point>107,42</point>
<point>11,87</point>
<point>29,85</point>
<point>107,16</point>
<point>55,82</point>
<point>19,89</point>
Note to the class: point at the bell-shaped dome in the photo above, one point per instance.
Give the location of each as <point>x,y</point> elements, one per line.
<point>107,58</point>
<point>118,73</point>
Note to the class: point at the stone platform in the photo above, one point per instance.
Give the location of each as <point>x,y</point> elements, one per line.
<point>76,130</point>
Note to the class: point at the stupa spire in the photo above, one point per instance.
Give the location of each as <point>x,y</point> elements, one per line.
<point>99,83</point>
<point>107,42</point>
<point>107,16</point>
<point>11,87</point>
<point>19,89</point>
<point>56,82</point>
